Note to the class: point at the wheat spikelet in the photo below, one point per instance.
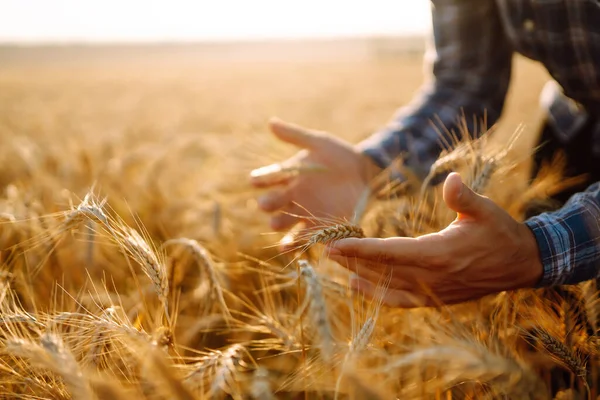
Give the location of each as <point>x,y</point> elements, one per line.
<point>52,354</point>
<point>279,331</point>
<point>484,176</point>
<point>357,344</point>
<point>22,348</point>
<point>94,354</point>
<point>560,352</point>
<point>363,337</point>
<point>317,307</point>
<point>66,365</point>
<point>216,372</point>
<point>21,317</point>
<point>225,375</point>
<point>139,250</point>
<point>206,263</point>
<point>202,370</point>
<point>99,337</point>
<point>337,232</point>
<point>88,209</point>
<point>113,327</point>
<point>361,340</point>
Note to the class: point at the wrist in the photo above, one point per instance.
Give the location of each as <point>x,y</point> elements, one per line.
<point>369,170</point>
<point>533,269</point>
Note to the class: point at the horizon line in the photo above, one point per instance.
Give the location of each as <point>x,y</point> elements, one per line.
<point>198,41</point>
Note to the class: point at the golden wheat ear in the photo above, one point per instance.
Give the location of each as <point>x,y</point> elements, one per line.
<point>207,265</point>
<point>560,352</point>
<point>314,301</point>
<point>337,232</point>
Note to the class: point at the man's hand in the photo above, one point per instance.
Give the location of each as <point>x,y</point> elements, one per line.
<point>333,193</point>
<point>483,251</point>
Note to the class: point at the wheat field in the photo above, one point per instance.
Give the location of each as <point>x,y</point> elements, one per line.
<point>136,264</point>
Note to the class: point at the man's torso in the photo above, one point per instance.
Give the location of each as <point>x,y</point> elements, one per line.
<point>564,35</point>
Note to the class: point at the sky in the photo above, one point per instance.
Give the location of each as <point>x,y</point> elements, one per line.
<point>36,21</point>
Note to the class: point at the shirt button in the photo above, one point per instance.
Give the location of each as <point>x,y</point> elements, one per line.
<point>528,25</point>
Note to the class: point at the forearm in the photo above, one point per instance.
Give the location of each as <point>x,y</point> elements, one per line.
<point>470,61</point>
<point>421,130</point>
<point>569,239</point>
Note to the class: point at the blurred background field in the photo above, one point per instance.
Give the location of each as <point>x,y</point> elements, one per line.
<point>350,87</point>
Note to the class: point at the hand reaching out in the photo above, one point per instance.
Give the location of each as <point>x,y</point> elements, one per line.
<point>332,193</point>
<point>483,251</point>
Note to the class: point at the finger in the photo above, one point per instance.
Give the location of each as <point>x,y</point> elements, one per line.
<point>275,200</point>
<point>282,222</point>
<point>404,277</point>
<point>397,250</point>
<point>370,272</point>
<point>270,175</point>
<point>295,134</point>
<point>460,198</point>
<point>392,297</point>
<point>357,264</point>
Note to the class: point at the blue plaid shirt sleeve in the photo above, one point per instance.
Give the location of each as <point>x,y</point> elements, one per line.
<point>471,62</point>
<point>569,239</point>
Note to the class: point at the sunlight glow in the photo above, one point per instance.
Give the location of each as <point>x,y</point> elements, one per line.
<point>187,20</point>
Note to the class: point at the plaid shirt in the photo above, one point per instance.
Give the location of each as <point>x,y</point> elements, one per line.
<point>569,239</point>
<point>471,56</point>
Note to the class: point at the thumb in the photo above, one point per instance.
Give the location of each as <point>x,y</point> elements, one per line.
<point>460,198</point>
<point>294,134</point>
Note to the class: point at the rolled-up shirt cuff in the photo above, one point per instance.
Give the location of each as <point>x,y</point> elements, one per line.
<point>542,233</point>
